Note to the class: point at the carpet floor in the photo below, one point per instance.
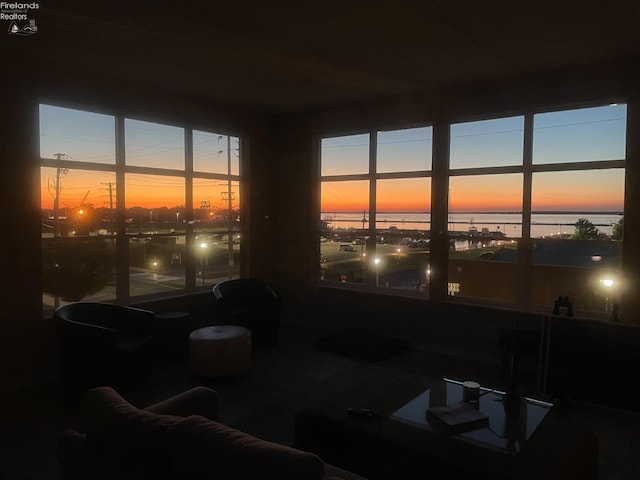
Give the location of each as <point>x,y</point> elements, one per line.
<point>264,402</point>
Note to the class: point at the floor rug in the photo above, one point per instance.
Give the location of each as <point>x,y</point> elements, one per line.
<point>361,344</point>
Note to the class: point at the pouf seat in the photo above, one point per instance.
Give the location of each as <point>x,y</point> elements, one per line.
<point>220,351</point>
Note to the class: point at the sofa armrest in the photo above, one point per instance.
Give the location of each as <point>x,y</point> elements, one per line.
<point>198,401</point>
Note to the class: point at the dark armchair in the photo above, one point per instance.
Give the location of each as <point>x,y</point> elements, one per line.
<point>250,303</point>
<point>102,344</point>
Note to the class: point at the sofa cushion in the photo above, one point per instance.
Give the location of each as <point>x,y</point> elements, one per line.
<point>204,449</point>
<point>135,436</point>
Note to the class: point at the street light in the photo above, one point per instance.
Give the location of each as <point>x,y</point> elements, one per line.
<point>203,247</point>
<point>376,262</point>
<point>608,284</point>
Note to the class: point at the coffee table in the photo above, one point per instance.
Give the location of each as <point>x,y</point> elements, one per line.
<point>399,442</point>
<point>512,419</point>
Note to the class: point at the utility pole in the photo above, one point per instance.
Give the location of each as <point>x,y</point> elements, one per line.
<point>110,186</point>
<point>60,172</point>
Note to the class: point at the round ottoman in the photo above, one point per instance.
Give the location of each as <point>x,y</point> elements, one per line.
<point>220,351</point>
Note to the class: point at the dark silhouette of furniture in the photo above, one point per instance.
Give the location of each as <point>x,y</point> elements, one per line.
<point>102,344</point>
<point>249,303</point>
<point>220,351</point>
<point>171,336</point>
<point>177,438</point>
<point>393,445</point>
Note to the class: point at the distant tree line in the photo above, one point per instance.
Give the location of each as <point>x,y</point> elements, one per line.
<point>586,230</point>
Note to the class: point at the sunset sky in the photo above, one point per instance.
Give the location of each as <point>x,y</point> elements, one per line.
<point>569,136</point>
<point>559,137</point>
<point>90,137</point>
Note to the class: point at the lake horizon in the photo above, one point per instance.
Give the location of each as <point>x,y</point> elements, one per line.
<point>543,222</point>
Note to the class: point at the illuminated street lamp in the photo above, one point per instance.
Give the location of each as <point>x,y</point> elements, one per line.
<point>608,285</point>
<point>376,262</point>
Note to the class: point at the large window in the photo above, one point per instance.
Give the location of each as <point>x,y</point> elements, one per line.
<point>375,209</point>
<point>577,203</point>
<point>485,208</point>
<point>534,209</point>
<point>153,211</point>
<point>542,195</point>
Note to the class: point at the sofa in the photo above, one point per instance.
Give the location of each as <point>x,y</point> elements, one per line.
<point>179,438</point>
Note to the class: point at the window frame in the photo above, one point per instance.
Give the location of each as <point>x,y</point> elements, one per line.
<point>440,174</point>
<point>120,169</point>
<point>372,176</point>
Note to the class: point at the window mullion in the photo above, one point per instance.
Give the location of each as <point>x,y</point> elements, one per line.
<point>525,245</point>
<point>122,242</point>
<point>190,273</point>
<point>371,280</point>
<point>439,212</point>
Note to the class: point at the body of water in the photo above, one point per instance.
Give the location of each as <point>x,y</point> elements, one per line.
<point>542,224</point>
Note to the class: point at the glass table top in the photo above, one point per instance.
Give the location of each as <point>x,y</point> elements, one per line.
<point>512,421</point>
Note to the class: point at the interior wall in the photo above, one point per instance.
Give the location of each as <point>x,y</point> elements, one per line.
<point>293,243</point>
<point>22,333</point>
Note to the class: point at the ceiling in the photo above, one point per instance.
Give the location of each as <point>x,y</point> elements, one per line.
<point>283,56</point>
